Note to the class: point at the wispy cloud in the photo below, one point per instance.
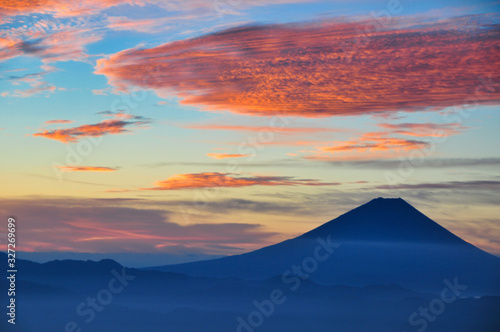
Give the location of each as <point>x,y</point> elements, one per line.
<point>304,69</point>
<point>228,180</point>
<point>64,8</point>
<point>121,124</point>
<point>57,121</point>
<point>373,144</point>
<point>36,81</point>
<point>281,130</point>
<point>474,185</point>
<point>100,92</point>
<point>60,44</point>
<point>86,169</point>
<point>424,129</point>
<point>226,155</point>
<point>92,225</point>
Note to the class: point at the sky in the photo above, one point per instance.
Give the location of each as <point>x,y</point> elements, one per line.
<point>199,128</point>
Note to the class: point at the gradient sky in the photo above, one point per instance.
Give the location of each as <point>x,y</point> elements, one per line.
<point>217,127</point>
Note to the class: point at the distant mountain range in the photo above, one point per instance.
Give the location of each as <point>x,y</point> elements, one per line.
<point>371,269</point>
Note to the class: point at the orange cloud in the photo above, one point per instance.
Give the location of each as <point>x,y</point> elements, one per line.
<point>105,127</point>
<point>226,155</point>
<point>214,179</point>
<point>375,141</point>
<point>424,129</point>
<point>318,70</point>
<point>85,169</point>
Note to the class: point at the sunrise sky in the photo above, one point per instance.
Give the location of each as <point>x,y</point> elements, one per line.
<point>217,127</point>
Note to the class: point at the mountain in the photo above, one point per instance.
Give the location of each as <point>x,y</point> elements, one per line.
<point>82,296</point>
<point>385,241</point>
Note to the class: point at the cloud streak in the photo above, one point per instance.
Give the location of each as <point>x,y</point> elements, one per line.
<point>229,180</point>
<point>57,121</point>
<point>376,144</point>
<point>105,127</point>
<point>281,130</point>
<point>86,169</point>
<point>472,185</point>
<point>226,155</point>
<point>303,69</point>
<point>89,225</point>
<point>424,129</point>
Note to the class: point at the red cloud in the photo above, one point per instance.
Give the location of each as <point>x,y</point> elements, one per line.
<point>214,179</point>
<point>102,128</point>
<point>85,169</point>
<point>226,155</point>
<point>317,70</point>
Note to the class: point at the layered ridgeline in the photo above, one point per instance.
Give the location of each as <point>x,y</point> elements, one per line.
<point>385,241</point>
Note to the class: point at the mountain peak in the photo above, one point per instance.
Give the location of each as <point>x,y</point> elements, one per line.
<point>387,220</point>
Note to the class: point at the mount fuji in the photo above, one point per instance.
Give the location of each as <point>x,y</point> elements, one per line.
<point>385,241</point>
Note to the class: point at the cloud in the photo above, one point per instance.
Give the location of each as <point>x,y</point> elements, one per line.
<point>318,70</point>
<point>57,121</point>
<point>119,125</point>
<point>101,92</point>
<point>110,226</point>
<point>226,155</point>
<point>376,144</point>
<point>281,130</point>
<point>424,129</point>
<point>57,43</point>
<point>86,169</point>
<point>389,163</point>
<point>65,8</point>
<point>38,88</point>
<point>474,185</point>
<point>36,82</point>
<point>426,163</point>
<point>58,8</point>
<point>228,180</point>
<point>149,25</point>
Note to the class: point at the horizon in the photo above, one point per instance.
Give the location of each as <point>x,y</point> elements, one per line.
<point>143,260</point>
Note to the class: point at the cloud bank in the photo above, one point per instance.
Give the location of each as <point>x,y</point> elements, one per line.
<point>319,70</point>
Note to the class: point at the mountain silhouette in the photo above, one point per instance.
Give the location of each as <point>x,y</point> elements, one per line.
<point>385,241</point>
<point>386,219</point>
